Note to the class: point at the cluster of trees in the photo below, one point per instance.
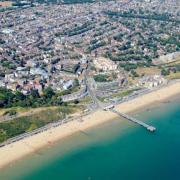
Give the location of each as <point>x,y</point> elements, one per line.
<point>77,1</point>
<point>7,64</point>
<point>177,67</point>
<point>102,78</point>
<point>19,3</point>
<point>98,33</point>
<point>103,23</point>
<point>144,15</point>
<point>172,40</point>
<point>173,68</point>
<point>128,66</point>
<point>130,56</point>
<point>13,99</point>
<point>165,72</point>
<point>134,73</point>
<point>94,46</point>
<point>77,29</point>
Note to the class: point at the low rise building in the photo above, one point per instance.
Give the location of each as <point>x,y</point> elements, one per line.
<point>105,64</point>
<point>68,84</point>
<point>152,81</point>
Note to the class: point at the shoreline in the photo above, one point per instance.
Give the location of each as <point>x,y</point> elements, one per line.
<point>19,149</point>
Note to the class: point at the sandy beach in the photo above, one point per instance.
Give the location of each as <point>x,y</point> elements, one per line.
<point>17,150</point>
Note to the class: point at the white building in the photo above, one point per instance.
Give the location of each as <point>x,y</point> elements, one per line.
<point>105,64</point>
<point>68,84</point>
<point>152,81</point>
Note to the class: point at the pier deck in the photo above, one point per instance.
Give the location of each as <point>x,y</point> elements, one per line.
<point>148,127</point>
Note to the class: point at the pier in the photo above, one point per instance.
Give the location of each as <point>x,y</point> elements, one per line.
<point>148,127</point>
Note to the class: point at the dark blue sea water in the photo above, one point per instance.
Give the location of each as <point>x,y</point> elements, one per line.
<point>113,151</point>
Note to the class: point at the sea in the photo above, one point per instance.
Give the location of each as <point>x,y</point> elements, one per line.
<point>116,150</point>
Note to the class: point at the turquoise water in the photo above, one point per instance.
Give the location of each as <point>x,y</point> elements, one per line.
<point>113,151</point>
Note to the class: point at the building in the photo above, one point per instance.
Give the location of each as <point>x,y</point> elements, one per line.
<point>152,81</point>
<point>68,84</point>
<point>105,64</point>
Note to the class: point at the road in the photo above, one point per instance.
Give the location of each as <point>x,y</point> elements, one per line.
<point>96,103</point>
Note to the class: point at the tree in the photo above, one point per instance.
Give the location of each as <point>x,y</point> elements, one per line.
<point>48,92</point>
<point>134,73</point>
<point>76,101</point>
<point>165,72</point>
<point>19,96</point>
<point>2,100</point>
<point>6,97</point>
<point>35,93</point>
<point>76,82</point>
